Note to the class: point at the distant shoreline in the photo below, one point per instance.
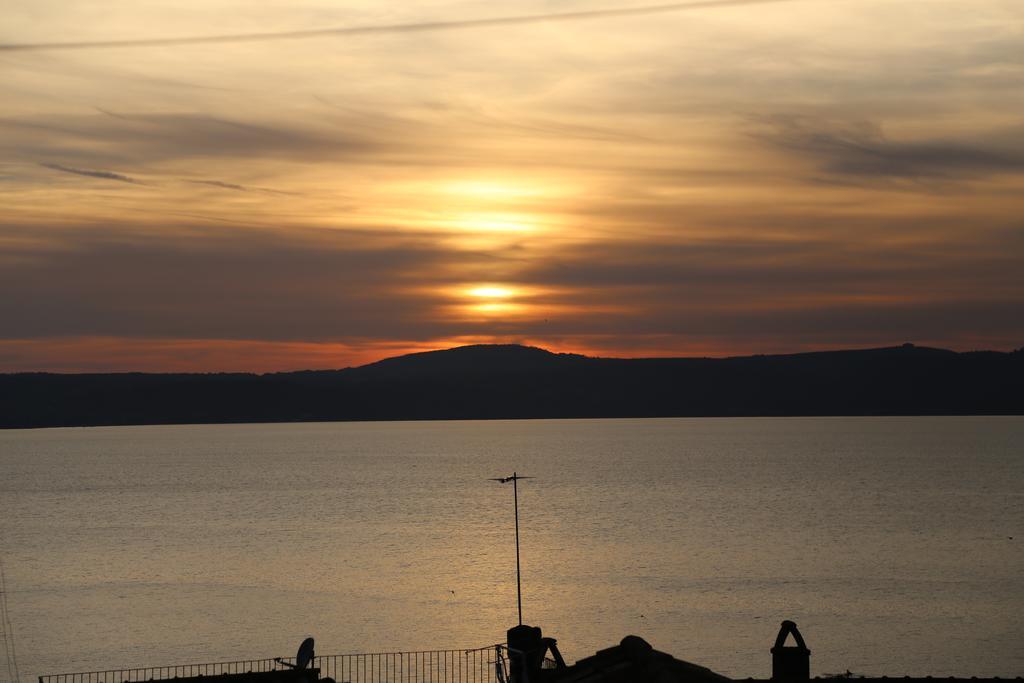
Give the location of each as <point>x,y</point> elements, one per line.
<point>515,382</point>
<point>510,419</point>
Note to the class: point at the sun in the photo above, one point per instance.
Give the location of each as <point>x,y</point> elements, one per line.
<point>491,292</point>
<point>490,300</point>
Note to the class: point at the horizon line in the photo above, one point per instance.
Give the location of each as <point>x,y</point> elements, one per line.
<point>907,345</point>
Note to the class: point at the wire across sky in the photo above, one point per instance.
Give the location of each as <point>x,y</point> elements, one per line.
<point>412,27</point>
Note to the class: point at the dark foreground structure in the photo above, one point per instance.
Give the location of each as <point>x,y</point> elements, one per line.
<point>508,382</point>
<point>526,657</point>
<point>631,660</point>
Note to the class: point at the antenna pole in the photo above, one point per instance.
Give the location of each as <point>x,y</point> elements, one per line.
<point>519,585</point>
<point>515,502</point>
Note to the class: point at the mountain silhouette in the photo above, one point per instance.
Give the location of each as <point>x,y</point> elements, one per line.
<point>479,358</point>
<point>510,381</point>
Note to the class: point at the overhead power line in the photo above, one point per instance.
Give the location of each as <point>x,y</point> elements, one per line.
<point>414,27</point>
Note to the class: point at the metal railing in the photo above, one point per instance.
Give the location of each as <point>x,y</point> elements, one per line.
<point>429,666</point>
<point>164,672</point>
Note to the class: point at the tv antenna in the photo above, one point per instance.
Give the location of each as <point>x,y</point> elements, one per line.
<point>515,497</point>
<point>303,657</point>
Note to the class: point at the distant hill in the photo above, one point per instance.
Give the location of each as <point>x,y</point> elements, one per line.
<point>508,381</point>
<point>488,358</point>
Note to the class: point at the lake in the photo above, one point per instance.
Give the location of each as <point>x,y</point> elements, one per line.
<point>896,544</point>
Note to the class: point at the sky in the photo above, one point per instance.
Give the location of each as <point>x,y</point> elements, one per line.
<point>709,179</point>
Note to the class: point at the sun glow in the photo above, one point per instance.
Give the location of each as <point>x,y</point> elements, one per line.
<point>489,300</point>
<point>491,292</point>
<point>490,190</point>
<point>495,308</point>
<point>493,222</point>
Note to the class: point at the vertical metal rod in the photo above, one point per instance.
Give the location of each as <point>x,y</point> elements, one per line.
<point>519,585</point>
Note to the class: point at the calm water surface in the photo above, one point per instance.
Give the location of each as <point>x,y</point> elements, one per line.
<point>888,540</point>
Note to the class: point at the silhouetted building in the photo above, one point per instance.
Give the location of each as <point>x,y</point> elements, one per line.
<point>790,663</point>
<point>633,660</point>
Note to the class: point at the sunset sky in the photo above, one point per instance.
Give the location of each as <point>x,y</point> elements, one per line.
<point>720,179</point>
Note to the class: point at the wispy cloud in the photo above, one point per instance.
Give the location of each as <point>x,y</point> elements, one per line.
<point>238,188</point>
<point>173,280</point>
<point>103,175</point>
<point>862,148</point>
<point>157,137</point>
<point>783,179</point>
<point>221,184</point>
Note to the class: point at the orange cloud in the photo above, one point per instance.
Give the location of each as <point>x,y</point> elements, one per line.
<point>119,354</point>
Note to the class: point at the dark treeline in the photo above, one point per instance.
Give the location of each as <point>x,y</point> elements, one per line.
<point>482,382</point>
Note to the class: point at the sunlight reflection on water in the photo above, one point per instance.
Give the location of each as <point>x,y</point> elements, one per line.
<point>886,539</point>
